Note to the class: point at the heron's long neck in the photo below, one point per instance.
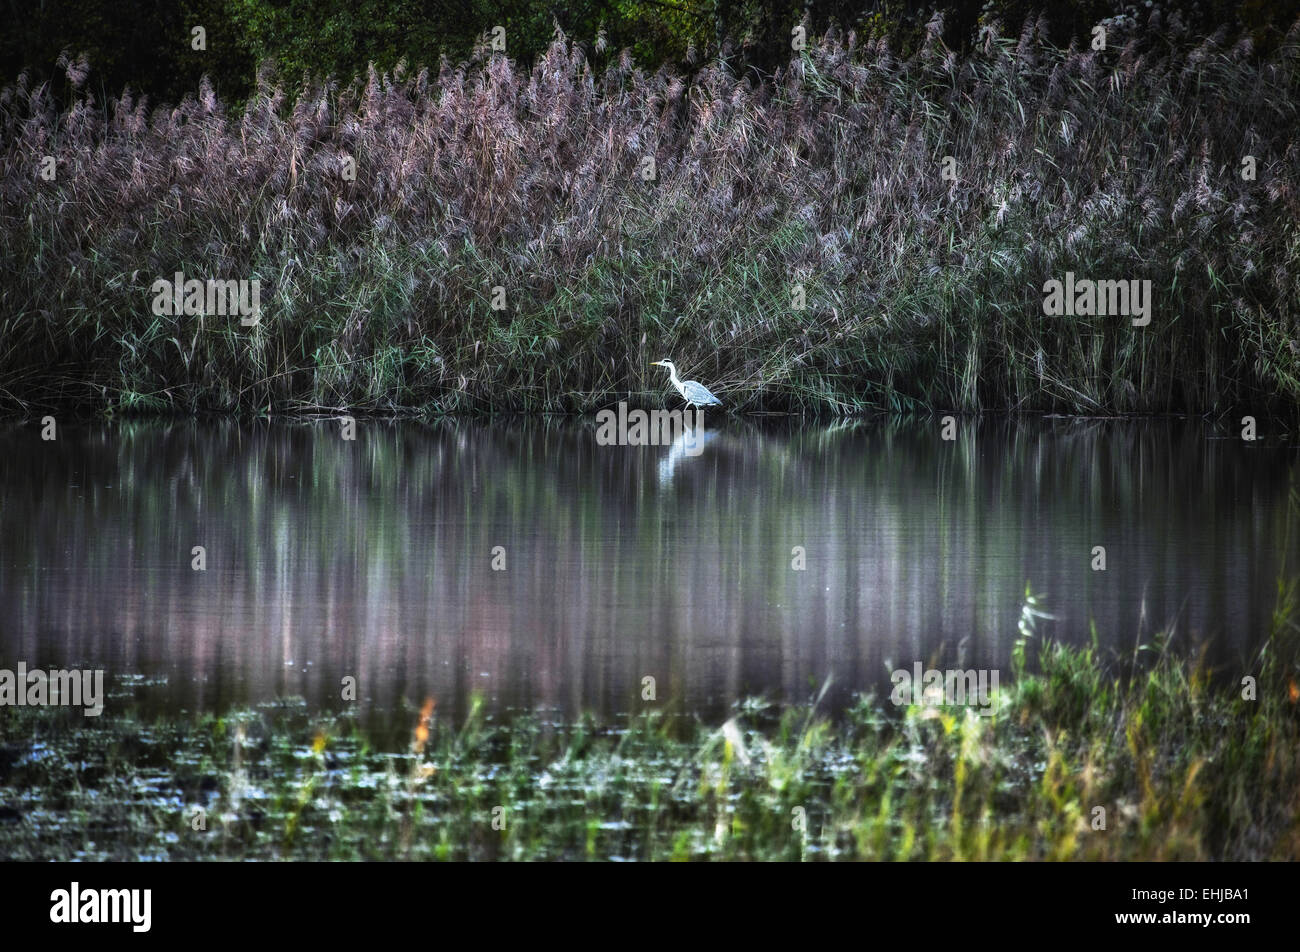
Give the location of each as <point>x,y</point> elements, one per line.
<point>672,372</point>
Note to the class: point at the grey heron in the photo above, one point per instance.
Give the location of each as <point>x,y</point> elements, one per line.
<point>693,392</point>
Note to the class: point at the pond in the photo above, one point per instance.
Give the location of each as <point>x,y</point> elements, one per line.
<point>524,562</point>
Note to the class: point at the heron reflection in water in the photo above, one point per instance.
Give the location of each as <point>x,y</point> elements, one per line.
<point>690,443</point>
<point>692,439</point>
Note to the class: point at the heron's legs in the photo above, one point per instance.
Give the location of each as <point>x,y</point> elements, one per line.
<point>692,406</point>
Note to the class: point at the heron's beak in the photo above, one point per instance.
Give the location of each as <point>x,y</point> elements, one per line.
<point>656,363</point>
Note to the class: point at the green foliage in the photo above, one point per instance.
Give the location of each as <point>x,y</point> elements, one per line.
<point>145,43</point>
<point>1181,765</point>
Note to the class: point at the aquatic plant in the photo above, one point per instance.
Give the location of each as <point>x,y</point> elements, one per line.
<point>1165,762</point>
<point>387,218</point>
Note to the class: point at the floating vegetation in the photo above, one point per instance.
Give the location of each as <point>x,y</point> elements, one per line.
<point>1072,763</point>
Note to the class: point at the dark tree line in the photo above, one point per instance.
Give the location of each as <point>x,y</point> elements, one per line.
<point>146,44</point>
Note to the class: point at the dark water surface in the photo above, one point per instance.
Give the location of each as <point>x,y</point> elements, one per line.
<point>373,559</point>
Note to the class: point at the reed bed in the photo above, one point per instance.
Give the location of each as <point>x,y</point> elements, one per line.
<point>922,293</point>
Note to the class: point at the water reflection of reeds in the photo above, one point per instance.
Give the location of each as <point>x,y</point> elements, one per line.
<point>371,558</point>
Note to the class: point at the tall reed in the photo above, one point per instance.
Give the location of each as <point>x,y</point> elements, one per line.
<point>922,293</point>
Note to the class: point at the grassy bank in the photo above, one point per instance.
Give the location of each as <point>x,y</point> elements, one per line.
<point>1181,768</point>
<point>922,293</point>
